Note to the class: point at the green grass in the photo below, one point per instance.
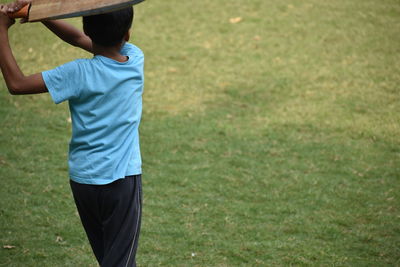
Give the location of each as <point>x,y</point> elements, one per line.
<point>273,141</point>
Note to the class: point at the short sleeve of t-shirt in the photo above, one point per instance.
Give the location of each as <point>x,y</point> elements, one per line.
<point>63,81</point>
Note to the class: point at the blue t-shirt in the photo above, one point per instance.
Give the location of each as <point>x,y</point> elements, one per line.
<point>105,101</point>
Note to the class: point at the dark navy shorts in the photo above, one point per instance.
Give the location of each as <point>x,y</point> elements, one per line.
<point>111,215</point>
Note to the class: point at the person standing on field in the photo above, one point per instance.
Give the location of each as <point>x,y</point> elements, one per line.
<point>104,94</point>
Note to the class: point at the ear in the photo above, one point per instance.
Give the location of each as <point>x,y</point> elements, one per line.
<point>127,36</point>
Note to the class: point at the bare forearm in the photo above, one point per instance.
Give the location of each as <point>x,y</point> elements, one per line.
<point>11,72</point>
<point>17,83</point>
<point>69,34</point>
<point>63,30</point>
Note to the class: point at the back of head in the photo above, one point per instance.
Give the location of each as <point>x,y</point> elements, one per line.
<point>108,29</point>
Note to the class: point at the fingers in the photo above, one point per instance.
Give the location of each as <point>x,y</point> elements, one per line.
<point>4,19</point>
<point>13,7</point>
<point>17,5</point>
<point>3,9</point>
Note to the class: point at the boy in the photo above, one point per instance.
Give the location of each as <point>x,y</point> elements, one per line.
<point>105,100</point>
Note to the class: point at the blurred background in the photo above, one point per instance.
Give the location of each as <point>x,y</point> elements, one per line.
<point>270,137</point>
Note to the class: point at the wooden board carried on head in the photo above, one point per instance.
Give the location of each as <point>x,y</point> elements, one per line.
<point>59,9</point>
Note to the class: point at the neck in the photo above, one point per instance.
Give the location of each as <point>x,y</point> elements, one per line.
<point>112,52</point>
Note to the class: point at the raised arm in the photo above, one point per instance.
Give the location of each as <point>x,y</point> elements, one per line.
<point>63,30</point>
<point>17,82</point>
<point>69,34</point>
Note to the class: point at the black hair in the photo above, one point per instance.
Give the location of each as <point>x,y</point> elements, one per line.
<point>108,29</point>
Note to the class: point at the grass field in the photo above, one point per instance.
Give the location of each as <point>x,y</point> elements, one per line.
<point>270,137</point>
